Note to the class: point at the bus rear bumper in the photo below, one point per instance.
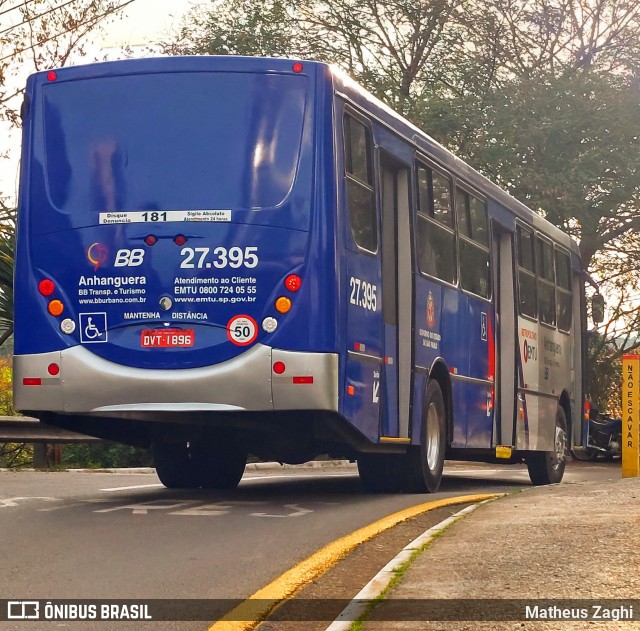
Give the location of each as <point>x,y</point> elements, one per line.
<point>88,384</point>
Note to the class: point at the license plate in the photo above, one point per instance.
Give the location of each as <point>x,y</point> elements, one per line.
<point>167,338</point>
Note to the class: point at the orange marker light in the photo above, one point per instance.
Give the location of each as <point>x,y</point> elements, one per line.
<point>55,307</point>
<point>283,305</point>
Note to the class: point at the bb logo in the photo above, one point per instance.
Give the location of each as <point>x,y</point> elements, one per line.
<point>97,254</point>
<point>129,258</point>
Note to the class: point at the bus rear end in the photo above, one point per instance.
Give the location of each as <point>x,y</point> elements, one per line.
<point>168,273</point>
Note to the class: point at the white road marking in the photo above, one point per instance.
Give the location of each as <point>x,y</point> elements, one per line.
<point>131,488</point>
<point>300,477</point>
<point>12,502</point>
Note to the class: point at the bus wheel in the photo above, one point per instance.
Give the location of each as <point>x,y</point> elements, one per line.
<point>174,466</point>
<point>547,467</point>
<point>421,470</point>
<point>220,464</point>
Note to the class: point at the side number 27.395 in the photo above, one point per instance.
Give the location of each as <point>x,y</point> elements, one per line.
<point>363,294</point>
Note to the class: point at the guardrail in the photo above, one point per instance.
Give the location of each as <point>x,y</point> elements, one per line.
<point>24,429</point>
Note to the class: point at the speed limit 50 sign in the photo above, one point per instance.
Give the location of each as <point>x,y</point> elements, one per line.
<point>242,330</point>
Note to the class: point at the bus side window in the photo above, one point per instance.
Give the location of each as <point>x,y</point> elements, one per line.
<point>435,236</point>
<point>526,273</point>
<point>471,213</point>
<point>564,298</point>
<point>359,179</point>
<point>546,283</point>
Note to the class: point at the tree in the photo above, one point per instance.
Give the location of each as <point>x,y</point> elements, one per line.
<point>542,96</point>
<point>42,34</point>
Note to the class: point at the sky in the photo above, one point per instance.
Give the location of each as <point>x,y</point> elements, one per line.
<point>145,21</point>
<point>140,24</point>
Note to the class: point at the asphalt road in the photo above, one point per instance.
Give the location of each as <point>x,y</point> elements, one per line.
<point>71,535</point>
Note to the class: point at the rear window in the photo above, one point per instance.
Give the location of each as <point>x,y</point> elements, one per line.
<point>172,141</point>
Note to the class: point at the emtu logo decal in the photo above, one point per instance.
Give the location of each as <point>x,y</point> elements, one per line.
<point>97,254</point>
<point>431,311</point>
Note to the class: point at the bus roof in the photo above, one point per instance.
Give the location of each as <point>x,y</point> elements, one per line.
<point>342,82</point>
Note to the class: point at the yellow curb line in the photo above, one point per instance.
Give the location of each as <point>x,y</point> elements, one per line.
<point>248,614</point>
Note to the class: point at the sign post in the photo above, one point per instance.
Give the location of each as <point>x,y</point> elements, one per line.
<point>630,416</point>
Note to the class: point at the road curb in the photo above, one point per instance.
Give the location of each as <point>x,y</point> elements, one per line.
<point>253,610</point>
<point>360,606</point>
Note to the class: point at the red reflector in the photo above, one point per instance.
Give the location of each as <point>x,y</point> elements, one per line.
<point>51,76</point>
<point>293,282</point>
<point>279,368</point>
<point>298,67</point>
<point>302,380</point>
<point>150,240</point>
<point>32,381</point>
<point>351,390</point>
<point>180,239</point>
<point>53,369</point>
<point>46,287</point>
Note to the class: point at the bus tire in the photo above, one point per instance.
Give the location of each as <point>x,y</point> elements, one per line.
<point>547,467</point>
<point>220,464</point>
<point>174,465</point>
<point>423,464</point>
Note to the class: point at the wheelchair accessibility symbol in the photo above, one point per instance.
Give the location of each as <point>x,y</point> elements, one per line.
<point>93,328</point>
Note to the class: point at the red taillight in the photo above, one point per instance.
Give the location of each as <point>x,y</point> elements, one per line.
<point>302,380</point>
<point>46,287</point>
<point>293,282</point>
<point>180,239</point>
<point>150,239</point>
<point>279,368</point>
<point>52,75</point>
<point>53,369</point>
<point>297,67</point>
<point>32,381</point>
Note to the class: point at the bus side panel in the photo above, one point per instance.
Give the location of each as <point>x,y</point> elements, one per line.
<point>544,356</point>
<point>441,331</point>
<point>481,362</point>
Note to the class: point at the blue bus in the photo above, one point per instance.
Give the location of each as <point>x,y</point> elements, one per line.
<point>224,256</point>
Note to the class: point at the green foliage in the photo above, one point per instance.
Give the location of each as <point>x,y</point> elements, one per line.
<point>16,455</point>
<point>604,374</point>
<point>6,387</point>
<point>104,455</point>
<point>7,260</point>
<point>12,455</point>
